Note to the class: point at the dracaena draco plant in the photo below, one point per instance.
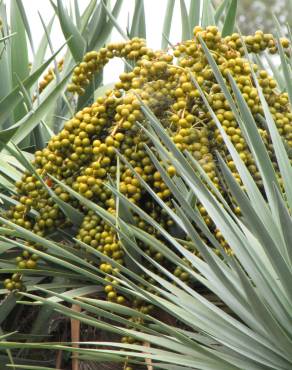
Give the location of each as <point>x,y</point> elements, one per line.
<point>252,281</point>
<point>212,109</point>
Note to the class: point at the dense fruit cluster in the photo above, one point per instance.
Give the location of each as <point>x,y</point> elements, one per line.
<point>50,75</point>
<point>256,43</point>
<point>83,154</point>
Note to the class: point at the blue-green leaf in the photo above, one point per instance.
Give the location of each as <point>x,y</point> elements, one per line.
<point>195,12</point>
<point>186,32</point>
<point>229,22</point>
<point>220,10</point>
<point>76,42</point>
<point>24,127</point>
<point>138,27</point>
<point>114,21</point>
<point>167,23</point>
<point>8,103</point>
<point>19,54</point>
<point>42,47</point>
<point>26,24</point>
<point>208,14</point>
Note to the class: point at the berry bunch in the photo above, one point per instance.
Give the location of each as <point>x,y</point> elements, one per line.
<point>83,154</point>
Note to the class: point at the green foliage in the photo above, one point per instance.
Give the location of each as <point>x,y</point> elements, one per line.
<point>253,284</point>
<point>22,122</point>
